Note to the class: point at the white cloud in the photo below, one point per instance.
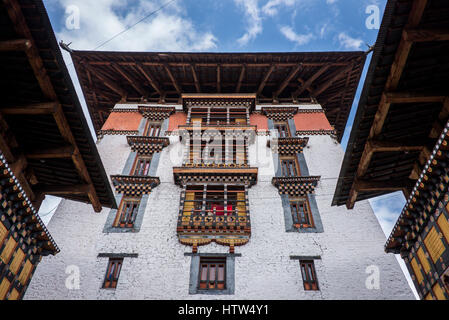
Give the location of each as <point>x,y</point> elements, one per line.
<point>252,13</point>
<point>350,43</point>
<point>331,1</point>
<point>291,35</point>
<point>272,6</point>
<point>166,30</point>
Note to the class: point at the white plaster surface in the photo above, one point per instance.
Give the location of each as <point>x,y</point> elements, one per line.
<point>352,241</point>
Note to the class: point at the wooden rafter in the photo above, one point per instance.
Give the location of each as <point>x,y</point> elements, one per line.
<point>109,82</point>
<point>265,79</point>
<point>306,85</point>
<point>218,79</point>
<point>135,84</point>
<point>391,85</point>
<point>172,78</point>
<point>338,74</point>
<point>53,153</point>
<point>21,28</point>
<point>195,78</point>
<point>35,60</point>
<point>287,80</point>
<point>239,83</point>
<point>150,79</point>
<point>421,35</point>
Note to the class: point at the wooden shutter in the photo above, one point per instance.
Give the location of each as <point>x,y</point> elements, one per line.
<point>423,259</point>
<point>417,271</point>
<point>443,223</point>
<point>3,233</point>
<point>14,295</point>
<point>25,273</point>
<point>188,203</point>
<point>8,250</point>
<point>4,287</point>
<point>438,292</point>
<point>241,204</point>
<point>434,245</point>
<point>17,261</point>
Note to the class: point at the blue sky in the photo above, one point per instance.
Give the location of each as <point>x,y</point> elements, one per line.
<point>222,26</point>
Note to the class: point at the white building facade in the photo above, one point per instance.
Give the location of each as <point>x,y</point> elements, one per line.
<point>279,236</point>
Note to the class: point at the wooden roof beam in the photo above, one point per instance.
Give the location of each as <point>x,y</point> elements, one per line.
<point>61,190</point>
<point>52,153</point>
<point>149,78</point>
<point>422,35</point>
<point>109,83</point>
<point>239,83</point>
<point>36,108</point>
<point>131,80</point>
<point>413,97</point>
<point>265,79</point>
<point>388,185</point>
<point>306,85</point>
<point>21,28</point>
<point>195,78</point>
<point>78,161</point>
<point>172,78</point>
<point>338,74</point>
<point>218,78</point>
<point>15,45</point>
<point>286,81</point>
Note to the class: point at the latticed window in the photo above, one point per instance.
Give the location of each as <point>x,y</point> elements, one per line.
<point>127,213</point>
<point>212,273</point>
<point>215,200</point>
<point>309,275</point>
<point>301,213</point>
<point>152,129</point>
<point>142,166</point>
<point>289,167</point>
<point>282,129</point>
<point>112,272</point>
<point>223,150</point>
<point>219,116</point>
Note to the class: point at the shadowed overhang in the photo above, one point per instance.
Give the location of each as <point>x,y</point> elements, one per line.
<point>44,134</point>
<point>404,103</point>
<point>330,78</point>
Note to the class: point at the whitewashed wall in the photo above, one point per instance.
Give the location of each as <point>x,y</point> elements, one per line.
<point>352,241</point>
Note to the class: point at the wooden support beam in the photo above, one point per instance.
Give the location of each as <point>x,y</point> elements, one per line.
<point>331,79</point>
<point>389,146</point>
<point>135,84</point>
<point>413,97</point>
<point>15,45</point>
<point>78,161</point>
<point>388,185</point>
<point>422,35</point>
<point>22,30</point>
<point>306,85</point>
<point>265,79</point>
<point>31,109</point>
<point>195,78</point>
<point>405,45</point>
<point>149,78</point>
<point>109,83</point>
<point>287,80</point>
<point>218,79</point>
<point>172,78</point>
<point>53,153</point>
<point>61,190</point>
<point>239,83</point>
